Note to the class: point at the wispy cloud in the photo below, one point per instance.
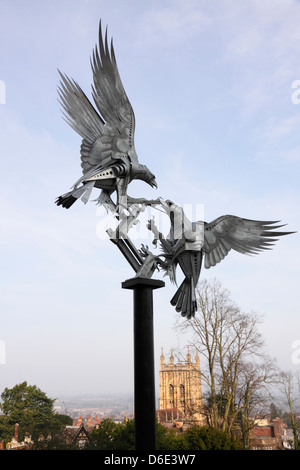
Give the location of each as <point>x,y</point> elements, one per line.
<point>174,22</point>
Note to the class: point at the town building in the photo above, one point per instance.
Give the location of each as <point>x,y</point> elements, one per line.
<point>89,422</point>
<point>15,444</point>
<point>180,389</point>
<point>272,435</point>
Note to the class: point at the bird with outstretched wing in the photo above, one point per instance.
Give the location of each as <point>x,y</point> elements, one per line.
<point>189,242</point>
<point>108,158</point>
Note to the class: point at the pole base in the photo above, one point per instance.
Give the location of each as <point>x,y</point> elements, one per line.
<point>142,281</point>
<point>144,377</point>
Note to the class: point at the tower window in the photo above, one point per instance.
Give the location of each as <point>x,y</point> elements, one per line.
<point>171,395</point>
<point>182,396</point>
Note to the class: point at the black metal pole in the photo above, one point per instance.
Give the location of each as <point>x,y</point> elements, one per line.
<point>144,370</point>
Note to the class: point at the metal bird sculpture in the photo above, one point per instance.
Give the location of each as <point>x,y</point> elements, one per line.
<point>109,162</point>
<point>108,158</point>
<point>188,242</point>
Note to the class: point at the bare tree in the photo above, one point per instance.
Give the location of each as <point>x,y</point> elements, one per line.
<point>290,387</point>
<point>253,392</point>
<point>233,365</point>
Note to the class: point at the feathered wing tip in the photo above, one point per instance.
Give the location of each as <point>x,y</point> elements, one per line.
<point>245,236</point>
<point>260,238</point>
<point>108,91</point>
<point>77,109</point>
<point>267,226</point>
<point>184,299</point>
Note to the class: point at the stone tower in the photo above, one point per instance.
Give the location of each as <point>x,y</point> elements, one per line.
<point>180,386</point>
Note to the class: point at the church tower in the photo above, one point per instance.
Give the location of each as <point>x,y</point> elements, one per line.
<point>180,386</point>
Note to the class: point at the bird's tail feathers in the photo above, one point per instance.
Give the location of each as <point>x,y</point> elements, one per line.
<point>184,299</point>
<point>68,199</point>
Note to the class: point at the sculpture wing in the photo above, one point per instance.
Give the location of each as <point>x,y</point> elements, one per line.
<point>108,131</point>
<point>242,235</point>
<point>108,91</point>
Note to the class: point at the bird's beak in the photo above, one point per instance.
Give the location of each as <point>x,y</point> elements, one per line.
<point>165,205</point>
<point>153,184</point>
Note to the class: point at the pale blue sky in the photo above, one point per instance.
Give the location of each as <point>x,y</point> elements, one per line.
<point>211,87</point>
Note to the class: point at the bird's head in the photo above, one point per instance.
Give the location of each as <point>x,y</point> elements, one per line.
<point>170,207</point>
<point>180,224</point>
<point>145,174</point>
<point>174,212</point>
